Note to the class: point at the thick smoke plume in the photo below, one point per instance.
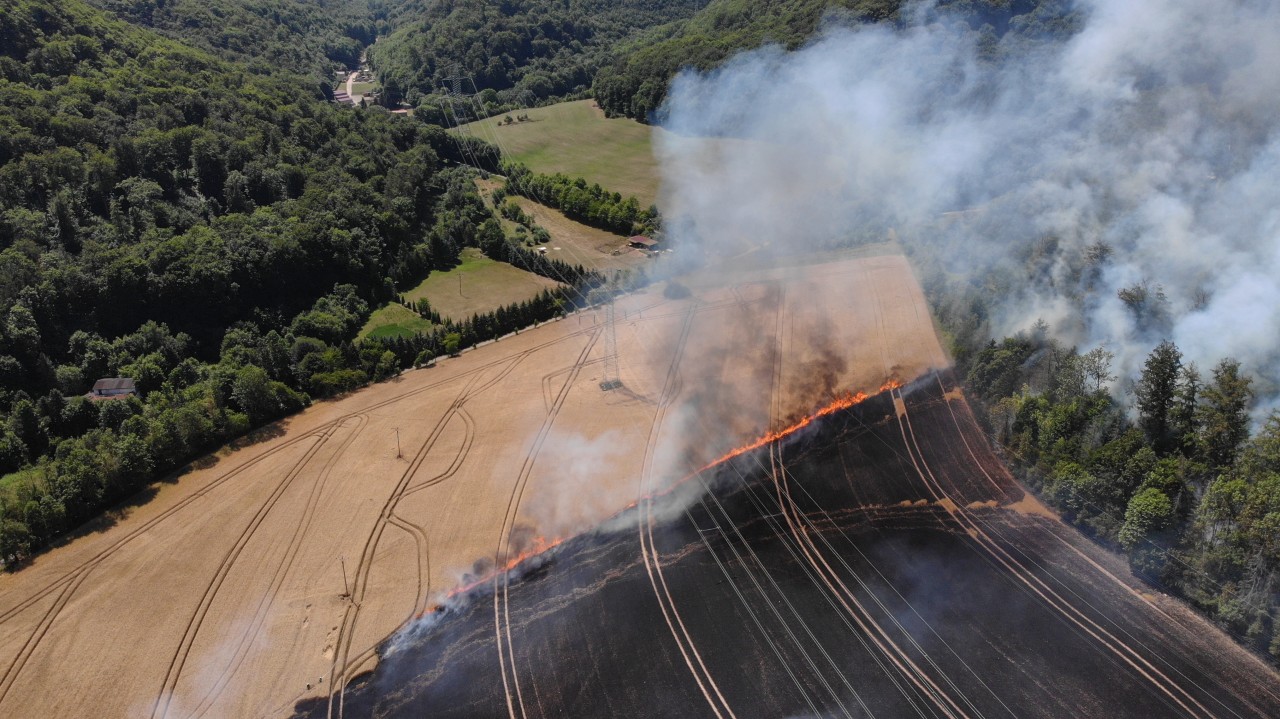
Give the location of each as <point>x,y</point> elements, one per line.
<point>1120,179</point>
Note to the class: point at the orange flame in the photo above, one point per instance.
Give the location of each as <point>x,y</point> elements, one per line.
<point>541,545</point>
<point>842,401</point>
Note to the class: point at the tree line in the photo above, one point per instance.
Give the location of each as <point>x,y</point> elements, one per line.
<point>1181,487</point>
<point>589,204</point>
<point>1169,465</point>
<point>516,52</point>
<point>633,83</point>
<point>449,337</point>
<point>309,38</point>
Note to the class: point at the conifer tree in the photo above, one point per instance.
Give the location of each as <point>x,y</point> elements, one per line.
<point>1157,395</point>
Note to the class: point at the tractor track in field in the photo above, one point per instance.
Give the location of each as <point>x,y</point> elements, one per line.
<point>1178,698</point>
<point>72,581</point>
<point>502,620</point>
<point>66,586</point>
<point>996,538</point>
<point>422,546</point>
<point>346,667</point>
<point>652,560</point>
<point>342,665</point>
<point>916,687</point>
<point>176,664</point>
<point>282,569</point>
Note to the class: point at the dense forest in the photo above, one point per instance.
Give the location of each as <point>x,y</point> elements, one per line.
<point>311,37</point>
<point>516,52</point>
<point>519,53</point>
<point>634,83</point>
<point>216,234</point>
<point>1182,488</point>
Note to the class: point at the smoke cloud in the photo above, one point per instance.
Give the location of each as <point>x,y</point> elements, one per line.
<point>1135,148</point>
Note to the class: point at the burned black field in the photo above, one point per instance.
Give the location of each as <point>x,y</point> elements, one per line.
<point>882,563</point>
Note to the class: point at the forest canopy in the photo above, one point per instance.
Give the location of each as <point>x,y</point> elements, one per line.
<point>516,52</point>
<point>310,37</point>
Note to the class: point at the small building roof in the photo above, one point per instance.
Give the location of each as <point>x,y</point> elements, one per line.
<point>113,383</point>
<point>642,240</point>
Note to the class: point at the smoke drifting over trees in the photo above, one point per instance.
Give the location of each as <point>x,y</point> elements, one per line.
<point>1117,175</point>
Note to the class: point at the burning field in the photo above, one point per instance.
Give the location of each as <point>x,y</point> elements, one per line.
<point>279,572</point>
<point>878,562</point>
<point>497,536</point>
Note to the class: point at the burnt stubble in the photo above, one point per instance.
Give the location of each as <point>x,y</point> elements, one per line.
<point>883,563</point>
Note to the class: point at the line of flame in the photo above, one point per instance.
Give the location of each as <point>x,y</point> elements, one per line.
<point>541,545</point>
<point>842,401</point>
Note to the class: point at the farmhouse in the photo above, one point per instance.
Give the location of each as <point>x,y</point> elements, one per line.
<point>640,242</point>
<point>112,388</point>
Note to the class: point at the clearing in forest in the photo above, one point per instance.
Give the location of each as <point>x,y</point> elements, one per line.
<point>393,320</point>
<point>571,241</point>
<point>478,284</point>
<point>577,139</point>
<point>580,244</point>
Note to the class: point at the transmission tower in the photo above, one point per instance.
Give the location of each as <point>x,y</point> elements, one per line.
<point>458,100</point>
<point>611,378</point>
<point>455,89</point>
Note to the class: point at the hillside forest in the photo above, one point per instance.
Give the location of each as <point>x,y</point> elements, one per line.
<point>1168,467</point>
<point>216,234</point>
<point>516,53</point>
<point>520,53</point>
<point>307,37</point>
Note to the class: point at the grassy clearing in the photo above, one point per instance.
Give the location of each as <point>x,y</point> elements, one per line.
<point>579,244</point>
<point>362,88</point>
<point>577,139</point>
<point>393,320</point>
<point>9,483</point>
<point>478,284</point>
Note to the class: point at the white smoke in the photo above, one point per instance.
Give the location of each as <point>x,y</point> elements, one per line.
<point>1150,129</point>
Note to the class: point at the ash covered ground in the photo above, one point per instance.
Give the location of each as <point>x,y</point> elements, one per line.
<point>882,563</point>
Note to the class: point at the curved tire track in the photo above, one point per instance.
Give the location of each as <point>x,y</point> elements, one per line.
<point>72,581</point>
<point>1050,597</point>
<point>502,618</point>
<point>172,674</point>
<point>282,569</point>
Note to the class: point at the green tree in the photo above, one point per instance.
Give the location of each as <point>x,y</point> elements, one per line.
<point>451,343</point>
<point>24,424</point>
<point>1157,392</point>
<point>1148,512</point>
<point>13,452</point>
<point>15,540</point>
<point>1224,414</point>
<point>1185,414</point>
<point>1148,515</point>
<point>388,366</point>
<point>252,393</point>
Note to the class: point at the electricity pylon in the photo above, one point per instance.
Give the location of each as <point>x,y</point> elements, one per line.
<point>611,378</point>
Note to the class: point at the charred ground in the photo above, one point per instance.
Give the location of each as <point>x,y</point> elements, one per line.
<point>883,563</point>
